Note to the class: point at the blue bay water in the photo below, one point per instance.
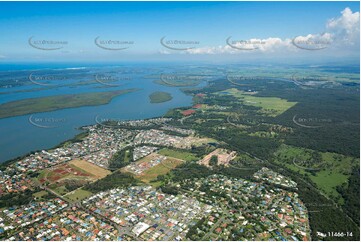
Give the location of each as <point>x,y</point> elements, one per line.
<point>19,135</point>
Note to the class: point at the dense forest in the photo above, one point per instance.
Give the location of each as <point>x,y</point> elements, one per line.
<point>340,107</point>
<point>17,199</point>
<point>351,195</point>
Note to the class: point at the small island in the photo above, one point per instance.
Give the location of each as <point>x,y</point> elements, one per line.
<point>160,97</point>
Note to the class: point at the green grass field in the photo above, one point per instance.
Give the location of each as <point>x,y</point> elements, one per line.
<point>127,156</point>
<point>272,106</point>
<point>40,194</point>
<point>161,169</point>
<point>61,190</point>
<point>78,195</point>
<point>183,155</point>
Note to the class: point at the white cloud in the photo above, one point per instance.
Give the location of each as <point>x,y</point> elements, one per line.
<point>246,46</point>
<point>341,32</point>
<point>345,28</point>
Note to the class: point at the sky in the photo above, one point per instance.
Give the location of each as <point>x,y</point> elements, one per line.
<point>180,31</point>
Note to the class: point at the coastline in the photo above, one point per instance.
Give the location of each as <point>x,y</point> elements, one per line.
<point>74,139</point>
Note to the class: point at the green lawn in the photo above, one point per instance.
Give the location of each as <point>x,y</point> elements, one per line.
<point>60,190</point>
<point>328,181</point>
<point>40,194</point>
<point>272,106</point>
<point>183,155</point>
<point>42,174</point>
<point>79,195</point>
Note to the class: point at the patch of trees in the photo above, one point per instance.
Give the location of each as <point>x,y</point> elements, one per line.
<point>116,179</point>
<point>190,171</point>
<point>121,158</point>
<point>71,185</point>
<point>202,150</point>
<point>213,161</point>
<point>170,189</point>
<point>17,199</point>
<point>193,231</point>
<point>77,139</point>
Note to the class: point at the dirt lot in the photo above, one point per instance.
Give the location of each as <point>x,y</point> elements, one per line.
<point>88,167</point>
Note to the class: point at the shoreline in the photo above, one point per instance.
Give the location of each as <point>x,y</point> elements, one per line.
<point>4,164</point>
<point>74,139</point>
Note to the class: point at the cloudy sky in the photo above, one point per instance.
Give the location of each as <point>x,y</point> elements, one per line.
<point>216,31</point>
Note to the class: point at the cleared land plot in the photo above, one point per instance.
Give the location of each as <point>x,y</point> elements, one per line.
<point>76,171</point>
<point>223,157</point>
<point>272,106</point>
<point>160,169</point>
<point>140,165</point>
<point>88,167</point>
<point>61,172</point>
